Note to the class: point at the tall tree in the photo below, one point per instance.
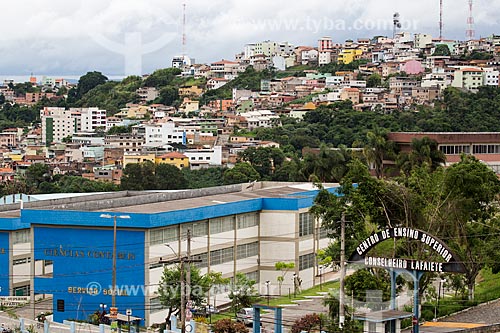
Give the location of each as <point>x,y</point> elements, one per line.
<point>89,81</point>
<point>169,177</point>
<point>240,173</point>
<point>376,149</point>
<point>169,288</point>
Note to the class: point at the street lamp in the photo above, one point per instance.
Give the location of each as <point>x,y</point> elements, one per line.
<point>235,299</point>
<point>320,276</point>
<point>103,313</point>
<point>114,217</point>
<point>442,281</point>
<point>267,287</point>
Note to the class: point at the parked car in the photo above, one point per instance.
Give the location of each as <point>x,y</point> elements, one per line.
<point>245,316</point>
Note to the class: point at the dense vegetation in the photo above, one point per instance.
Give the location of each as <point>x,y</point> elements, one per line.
<point>457,204</point>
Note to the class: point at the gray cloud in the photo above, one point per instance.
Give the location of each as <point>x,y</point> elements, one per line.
<point>72,37</point>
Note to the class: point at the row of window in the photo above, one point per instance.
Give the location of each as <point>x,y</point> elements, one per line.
<point>486,149</point>
<point>455,149</point>
<point>465,149</point>
<point>306,224</point>
<point>21,261</point>
<point>222,256</point>
<point>306,261</point>
<point>247,250</point>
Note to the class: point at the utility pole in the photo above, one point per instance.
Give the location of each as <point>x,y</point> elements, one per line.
<point>342,271</point>
<point>185,279</point>
<point>113,282</point>
<point>187,309</point>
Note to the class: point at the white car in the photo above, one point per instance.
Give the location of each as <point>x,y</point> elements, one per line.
<point>245,316</point>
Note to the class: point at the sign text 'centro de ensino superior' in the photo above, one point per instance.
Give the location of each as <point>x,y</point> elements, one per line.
<point>449,264</point>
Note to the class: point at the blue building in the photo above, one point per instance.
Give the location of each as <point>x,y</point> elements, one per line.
<point>240,228</point>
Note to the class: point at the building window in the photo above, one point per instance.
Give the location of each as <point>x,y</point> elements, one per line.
<point>486,149</point>
<point>305,224</point>
<point>22,291</point>
<point>21,236</point>
<point>198,228</point>
<point>454,149</point>
<point>165,235</point>
<point>222,256</point>
<point>204,260</point>
<point>155,305</point>
<point>253,276</point>
<point>21,261</point>
<point>306,261</point>
<point>221,224</point>
<point>247,220</point>
<point>323,232</point>
<point>247,250</point>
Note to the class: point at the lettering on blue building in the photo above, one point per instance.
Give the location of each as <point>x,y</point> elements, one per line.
<point>95,254</point>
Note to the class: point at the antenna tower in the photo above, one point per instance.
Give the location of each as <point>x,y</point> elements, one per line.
<point>470,32</point>
<point>183,30</point>
<point>440,19</point>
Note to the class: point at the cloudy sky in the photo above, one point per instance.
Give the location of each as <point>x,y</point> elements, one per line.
<point>118,37</point>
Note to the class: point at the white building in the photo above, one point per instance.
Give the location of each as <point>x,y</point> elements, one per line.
<point>422,40</point>
<point>89,119</point>
<point>57,124</point>
<point>325,57</point>
<point>161,134</point>
<point>258,119</point>
<point>491,77</point>
<point>204,158</point>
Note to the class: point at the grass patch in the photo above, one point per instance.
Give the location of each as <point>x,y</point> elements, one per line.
<point>285,299</point>
<point>487,289</point>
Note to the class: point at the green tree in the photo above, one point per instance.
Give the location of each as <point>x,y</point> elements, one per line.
<point>474,188</point>
<point>36,174</point>
<point>263,159</point>
<point>442,50</point>
<point>169,288</point>
<point>240,173</point>
<point>169,177</point>
<point>120,130</point>
<point>283,267</point>
<point>89,81</point>
<point>377,148</point>
<point>132,177</point>
<point>208,177</point>
<point>374,80</point>
<point>423,151</point>
<point>168,95</point>
<point>244,293</point>
<point>364,280</point>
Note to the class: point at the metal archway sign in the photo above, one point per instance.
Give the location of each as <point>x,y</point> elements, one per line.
<point>450,262</point>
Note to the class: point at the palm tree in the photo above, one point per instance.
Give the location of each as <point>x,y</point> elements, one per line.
<point>377,148</point>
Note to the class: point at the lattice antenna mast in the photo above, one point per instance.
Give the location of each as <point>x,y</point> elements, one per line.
<point>183,30</point>
<point>441,20</point>
<point>470,33</point>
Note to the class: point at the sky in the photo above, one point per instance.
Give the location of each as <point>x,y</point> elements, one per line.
<point>122,37</point>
